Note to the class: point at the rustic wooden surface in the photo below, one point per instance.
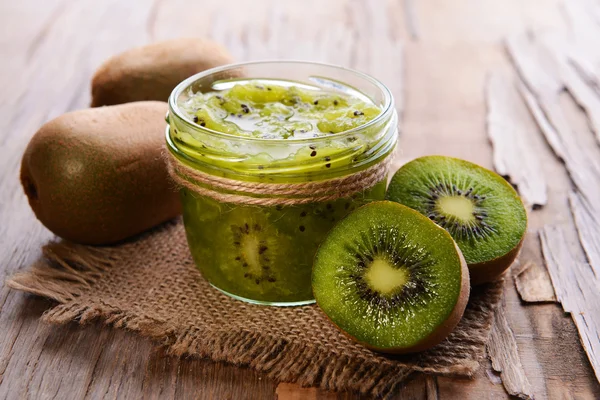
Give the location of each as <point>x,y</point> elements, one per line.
<point>50,48</point>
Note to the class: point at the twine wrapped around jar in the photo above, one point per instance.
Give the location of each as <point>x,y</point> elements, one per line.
<point>273,194</point>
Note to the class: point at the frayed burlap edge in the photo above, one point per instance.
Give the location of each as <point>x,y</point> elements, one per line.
<point>69,269</point>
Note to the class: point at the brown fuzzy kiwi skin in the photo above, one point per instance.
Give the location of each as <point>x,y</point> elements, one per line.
<point>97,176</point>
<point>442,331</point>
<point>489,271</point>
<point>151,72</point>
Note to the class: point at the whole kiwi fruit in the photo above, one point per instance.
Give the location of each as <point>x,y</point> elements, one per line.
<point>391,279</point>
<point>151,72</point>
<point>96,176</point>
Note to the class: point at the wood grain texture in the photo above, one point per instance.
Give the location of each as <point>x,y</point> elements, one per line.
<point>412,21</point>
<point>583,17</point>
<point>577,288</point>
<point>543,67</point>
<point>509,127</point>
<point>533,284</point>
<point>55,45</point>
<point>543,63</point>
<point>502,350</point>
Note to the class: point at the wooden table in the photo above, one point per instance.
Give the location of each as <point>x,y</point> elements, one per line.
<point>50,48</point>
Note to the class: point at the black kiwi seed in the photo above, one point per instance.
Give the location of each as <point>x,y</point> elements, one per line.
<point>313,153</point>
<point>303,214</point>
<point>302,228</point>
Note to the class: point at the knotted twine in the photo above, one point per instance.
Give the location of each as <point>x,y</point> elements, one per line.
<point>273,194</point>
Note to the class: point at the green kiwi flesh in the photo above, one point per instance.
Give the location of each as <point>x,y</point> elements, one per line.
<point>481,211</point>
<point>391,279</point>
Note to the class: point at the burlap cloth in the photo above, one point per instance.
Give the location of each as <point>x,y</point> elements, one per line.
<point>151,286</point>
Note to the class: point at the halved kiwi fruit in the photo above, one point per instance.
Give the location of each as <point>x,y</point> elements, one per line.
<point>481,211</point>
<point>391,279</point>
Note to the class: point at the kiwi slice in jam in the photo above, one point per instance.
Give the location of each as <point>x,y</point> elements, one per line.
<point>481,211</point>
<point>252,246</point>
<point>391,279</point>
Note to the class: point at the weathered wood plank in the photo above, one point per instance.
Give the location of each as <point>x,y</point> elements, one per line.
<point>432,388</point>
<point>444,113</point>
<point>583,17</point>
<point>412,21</point>
<point>532,284</point>
<point>509,126</point>
<point>543,70</point>
<point>543,56</point>
<point>502,350</point>
<point>577,288</point>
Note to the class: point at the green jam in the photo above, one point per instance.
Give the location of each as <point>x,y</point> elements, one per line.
<point>264,254</point>
<point>265,110</point>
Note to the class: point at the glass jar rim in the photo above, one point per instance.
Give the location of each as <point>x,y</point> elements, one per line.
<point>388,105</point>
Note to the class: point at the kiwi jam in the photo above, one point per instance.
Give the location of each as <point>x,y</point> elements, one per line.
<point>274,131</point>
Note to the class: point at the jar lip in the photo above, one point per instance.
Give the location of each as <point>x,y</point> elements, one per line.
<point>388,105</point>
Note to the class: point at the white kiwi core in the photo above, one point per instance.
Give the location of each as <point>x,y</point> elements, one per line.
<point>384,278</point>
<point>250,245</point>
<point>458,207</point>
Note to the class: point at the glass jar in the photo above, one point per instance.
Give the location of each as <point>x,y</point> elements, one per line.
<point>252,235</point>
